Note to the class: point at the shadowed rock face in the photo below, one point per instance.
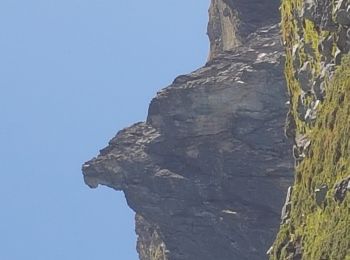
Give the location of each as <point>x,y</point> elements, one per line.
<point>207,172</point>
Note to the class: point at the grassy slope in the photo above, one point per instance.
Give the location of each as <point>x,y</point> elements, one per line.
<point>324,232</point>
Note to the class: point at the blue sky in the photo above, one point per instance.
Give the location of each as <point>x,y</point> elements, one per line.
<point>72,73</point>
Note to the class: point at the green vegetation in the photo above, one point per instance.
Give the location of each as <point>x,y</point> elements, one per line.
<point>322,231</point>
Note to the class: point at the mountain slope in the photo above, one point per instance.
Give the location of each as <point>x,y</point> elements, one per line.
<point>317,40</point>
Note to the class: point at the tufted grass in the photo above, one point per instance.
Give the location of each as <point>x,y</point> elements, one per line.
<point>324,231</point>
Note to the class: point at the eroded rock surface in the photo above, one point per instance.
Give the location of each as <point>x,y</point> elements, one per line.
<point>208,171</point>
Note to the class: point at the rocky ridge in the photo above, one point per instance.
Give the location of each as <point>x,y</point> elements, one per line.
<point>207,172</point>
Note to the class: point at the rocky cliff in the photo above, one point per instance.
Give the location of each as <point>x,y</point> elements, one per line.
<point>232,21</point>
<point>316,35</point>
<point>208,171</point>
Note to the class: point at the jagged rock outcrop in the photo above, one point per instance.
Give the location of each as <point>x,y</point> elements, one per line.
<point>316,34</point>
<point>207,172</point>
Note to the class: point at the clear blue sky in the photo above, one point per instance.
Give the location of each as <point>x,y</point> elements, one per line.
<point>72,73</point>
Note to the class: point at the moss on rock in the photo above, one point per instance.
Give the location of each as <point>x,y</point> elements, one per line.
<point>316,231</point>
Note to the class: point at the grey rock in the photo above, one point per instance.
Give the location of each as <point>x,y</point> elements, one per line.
<point>303,143</point>
<point>339,4</point>
<point>296,155</point>
<point>341,189</point>
<point>343,17</point>
<point>231,22</point>
<point>308,9</point>
<point>290,126</point>
<point>320,194</point>
<point>319,12</point>
<point>295,53</point>
<point>294,250</point>
<point>311,113</point>
<point>327,71</point>
<point>324,15</point>
<point>298,251</point>
<point>343,41</point>
<point>318,88</point>
<point>301,148</point>
<point>305,77</point>
<point>326,47</point>
<point>337,57</point>
<point>309,50</point>
<point>301,108</point>
<point>208,169</point>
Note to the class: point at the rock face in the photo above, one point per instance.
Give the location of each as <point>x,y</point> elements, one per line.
<point>316,34</point>
<point>232,21</point>
<point>208,171</point>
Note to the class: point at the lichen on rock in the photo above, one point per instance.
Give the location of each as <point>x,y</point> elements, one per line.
<point>317,45</point>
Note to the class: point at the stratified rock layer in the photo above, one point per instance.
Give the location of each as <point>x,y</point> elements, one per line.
<point>207,172</point>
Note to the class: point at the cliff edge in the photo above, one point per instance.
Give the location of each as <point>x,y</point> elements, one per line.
<point>208,171</point>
